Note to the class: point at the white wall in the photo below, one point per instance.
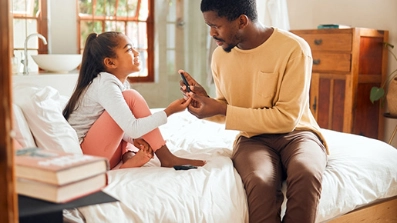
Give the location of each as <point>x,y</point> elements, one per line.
<point>381,14</point>
<point>62,30</point>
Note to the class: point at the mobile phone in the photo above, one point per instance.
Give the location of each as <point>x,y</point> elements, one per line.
<point>185,167</point>
<point>185,82</point>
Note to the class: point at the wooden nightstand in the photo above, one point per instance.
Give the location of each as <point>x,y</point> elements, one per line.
<point>33,210</point>
<point>347,63</point>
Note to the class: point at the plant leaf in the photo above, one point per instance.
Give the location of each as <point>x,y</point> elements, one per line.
<point>376,94</point>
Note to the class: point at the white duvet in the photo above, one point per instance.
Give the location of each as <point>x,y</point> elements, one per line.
<point>360,170</point>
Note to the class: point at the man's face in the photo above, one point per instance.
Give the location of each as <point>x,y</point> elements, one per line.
<point>224,32</point>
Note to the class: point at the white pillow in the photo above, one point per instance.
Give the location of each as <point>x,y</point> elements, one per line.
<point>21,128</point>
<point>42,108</point>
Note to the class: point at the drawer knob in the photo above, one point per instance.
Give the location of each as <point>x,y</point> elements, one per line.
<point>318,41</point>
<point>316,61</point>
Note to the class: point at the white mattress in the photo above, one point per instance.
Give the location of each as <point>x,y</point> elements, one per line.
<point>360,170</point>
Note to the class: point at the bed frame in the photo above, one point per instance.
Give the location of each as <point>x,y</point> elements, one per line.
<point>379,212</point>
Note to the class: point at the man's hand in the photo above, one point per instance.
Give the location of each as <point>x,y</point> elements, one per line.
<point>194,86</point>
<point>203,106</point>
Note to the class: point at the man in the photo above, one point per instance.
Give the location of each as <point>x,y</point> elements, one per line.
<point>262,78</point>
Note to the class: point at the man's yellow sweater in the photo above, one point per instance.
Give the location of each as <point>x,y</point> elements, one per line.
<point>266,89</point>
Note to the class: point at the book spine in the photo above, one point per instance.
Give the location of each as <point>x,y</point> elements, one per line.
<point>331,26</point>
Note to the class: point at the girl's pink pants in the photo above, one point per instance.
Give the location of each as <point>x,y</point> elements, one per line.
<point>105,137</point>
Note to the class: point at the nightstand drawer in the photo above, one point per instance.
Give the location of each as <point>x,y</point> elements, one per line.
<point>339,62</point>
<point>329,42</point>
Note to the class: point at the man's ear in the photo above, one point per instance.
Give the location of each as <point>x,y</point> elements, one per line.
<point>109,62</point>
<point>243,21</point>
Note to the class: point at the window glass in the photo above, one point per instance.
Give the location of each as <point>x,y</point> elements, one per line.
<point>27,19</point>
<point>144,11</point>
<point>87,27</point>
<point>115,26</point>
<point>127,16</point>
<point>170,37</point>
<point>26,8</point>
<point>85,8</point>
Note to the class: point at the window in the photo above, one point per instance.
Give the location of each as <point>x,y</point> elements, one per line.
<point>135,18</point>
<point>29,16</point>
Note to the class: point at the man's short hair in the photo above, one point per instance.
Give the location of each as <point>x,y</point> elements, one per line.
<point>231,9</point>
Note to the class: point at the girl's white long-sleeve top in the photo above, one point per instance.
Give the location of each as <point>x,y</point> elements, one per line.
<point>105,93</point>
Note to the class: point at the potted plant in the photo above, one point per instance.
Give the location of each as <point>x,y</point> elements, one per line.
<point>389,88</point>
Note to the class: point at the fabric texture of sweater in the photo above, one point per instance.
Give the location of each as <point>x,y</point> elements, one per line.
<point>266,89</point>
<point>105,93</point>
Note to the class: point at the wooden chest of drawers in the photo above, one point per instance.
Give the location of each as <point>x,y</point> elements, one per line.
<point>347,63</point>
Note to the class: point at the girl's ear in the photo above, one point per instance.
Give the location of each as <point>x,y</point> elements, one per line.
<point>109,63</point>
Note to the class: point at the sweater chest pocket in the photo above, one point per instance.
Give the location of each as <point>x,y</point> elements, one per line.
<point>266,84</point>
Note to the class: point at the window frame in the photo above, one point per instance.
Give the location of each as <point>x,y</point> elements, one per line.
<point>150,35</point>
<point>42,25</point>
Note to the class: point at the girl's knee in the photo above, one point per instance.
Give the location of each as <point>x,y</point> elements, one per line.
<point>132,94</point>
<point>134,99</point>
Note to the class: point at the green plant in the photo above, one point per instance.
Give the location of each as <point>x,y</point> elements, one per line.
<point>378,93</point>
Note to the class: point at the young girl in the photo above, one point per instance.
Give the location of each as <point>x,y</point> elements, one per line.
<point>108,117</point>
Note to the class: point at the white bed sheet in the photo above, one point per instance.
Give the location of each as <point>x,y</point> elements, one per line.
<point>360,170</point>
<point>213,193</point>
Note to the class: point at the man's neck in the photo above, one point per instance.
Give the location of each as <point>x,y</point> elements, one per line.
<point>256,36</point>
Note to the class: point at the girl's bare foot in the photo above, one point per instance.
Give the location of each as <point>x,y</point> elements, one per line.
<point>168,159</point>
<point>138,159</point>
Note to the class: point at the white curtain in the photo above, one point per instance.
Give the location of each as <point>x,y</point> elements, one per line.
<point>273,13</point>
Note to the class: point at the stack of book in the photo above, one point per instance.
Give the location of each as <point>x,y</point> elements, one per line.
<point>332,26</point>
<point>57,176</point>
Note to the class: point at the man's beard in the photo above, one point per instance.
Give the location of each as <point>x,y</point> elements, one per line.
<point>229,48</point>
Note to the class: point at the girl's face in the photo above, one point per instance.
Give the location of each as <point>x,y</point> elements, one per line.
<point>127,60</point>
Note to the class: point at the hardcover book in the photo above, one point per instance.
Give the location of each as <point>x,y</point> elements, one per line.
<point>57,167</point>
<point>61,194</point>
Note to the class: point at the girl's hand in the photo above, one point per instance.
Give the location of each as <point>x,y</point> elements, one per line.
<point>143,146</point>
<point>203,107</point>
<point>177,106</point>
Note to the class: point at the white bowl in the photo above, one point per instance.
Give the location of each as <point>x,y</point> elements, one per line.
<point>57,63</point>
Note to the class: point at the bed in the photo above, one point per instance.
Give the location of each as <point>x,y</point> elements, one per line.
<point>359,185</point>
